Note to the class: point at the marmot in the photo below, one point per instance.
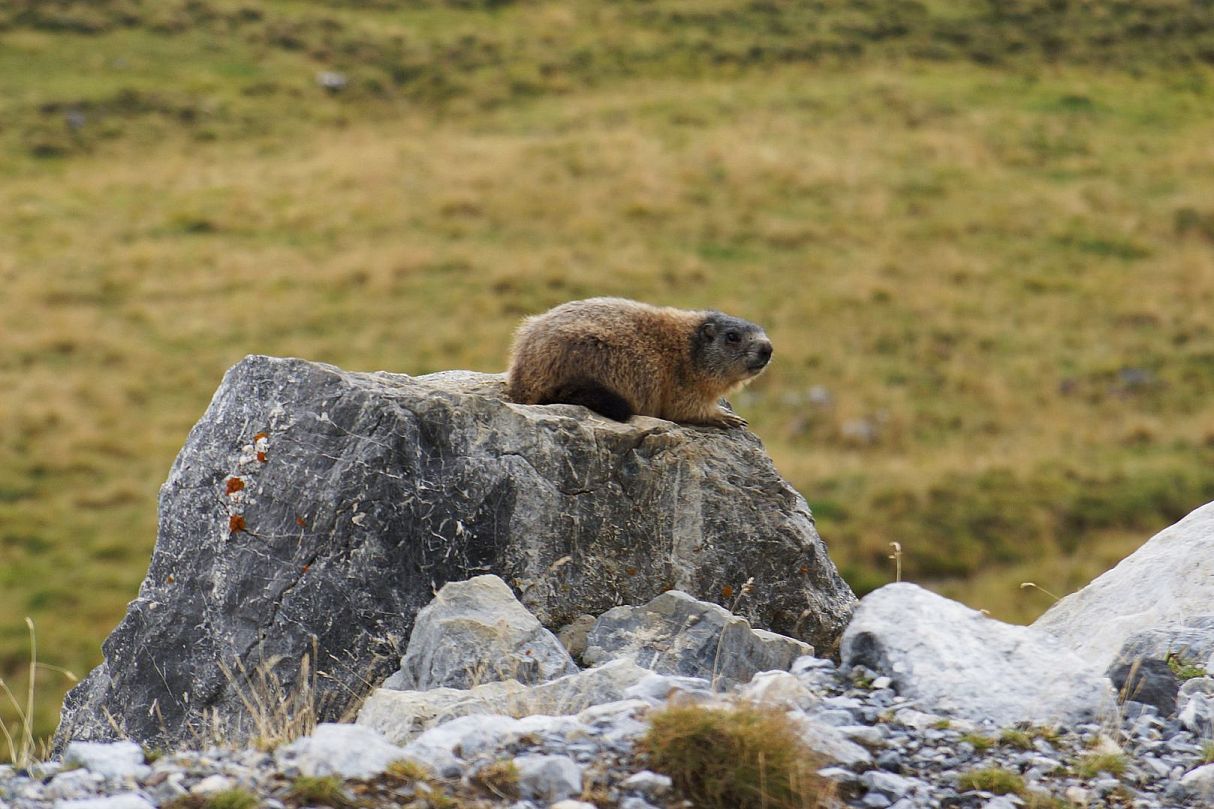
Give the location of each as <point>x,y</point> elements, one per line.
<point>622,358</point>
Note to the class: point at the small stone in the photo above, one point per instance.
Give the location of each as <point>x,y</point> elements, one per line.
<point>882,682</point>
<point>876,800</point>
<point>569,803</point>
<point>547,777</point>
<point>892,785</point>
<point>111,759</point>
<point>1199,783</point>
<point>648,783</point>
<point>634,802</point>
<point>74,784</point>
<point>349,751</point>
<point>332,80</point>
<point>212,784</point>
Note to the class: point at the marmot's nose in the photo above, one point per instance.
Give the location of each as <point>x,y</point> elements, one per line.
<point>764,351</point>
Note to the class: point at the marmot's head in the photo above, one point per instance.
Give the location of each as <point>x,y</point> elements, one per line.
<point>733,349</point>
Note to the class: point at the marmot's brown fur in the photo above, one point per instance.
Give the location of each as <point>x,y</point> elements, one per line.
<point>622,358</point>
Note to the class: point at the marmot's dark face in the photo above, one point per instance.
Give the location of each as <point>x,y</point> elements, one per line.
<point>730,347</point>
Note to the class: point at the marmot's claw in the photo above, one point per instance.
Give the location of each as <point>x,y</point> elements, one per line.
<point>731,420</point>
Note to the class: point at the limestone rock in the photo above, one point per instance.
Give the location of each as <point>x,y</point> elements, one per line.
<point>313,512</point>
<point>1168,581</point>
<point>476,631</point>
<point>548,778</point>
<point>678,634</point>
<point>112,760</point>
<point>403,715</point>
<point>958,662</point>
<point>348,751</point>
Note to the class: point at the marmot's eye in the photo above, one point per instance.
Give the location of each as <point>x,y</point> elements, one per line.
<point>732,336</point>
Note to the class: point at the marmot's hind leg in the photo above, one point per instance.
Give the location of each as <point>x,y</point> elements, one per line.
<point>595,395</point>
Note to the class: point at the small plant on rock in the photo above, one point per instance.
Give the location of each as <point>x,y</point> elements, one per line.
<point>226,799</point>
<point>992,779</point>
<point>736,758</point>
<point>325,790</point>
<point>500,778</point>
<point>1011,737</point>
<point>1094,763</point>
<point>980,742</point>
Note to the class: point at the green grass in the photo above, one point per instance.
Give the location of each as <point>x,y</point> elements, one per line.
<point>983,228</point>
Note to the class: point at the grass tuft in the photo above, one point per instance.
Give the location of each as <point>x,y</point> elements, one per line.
<point>327,790</point>
<point>739,757</point>
<point>992,779</point>
<point>1090,765</point>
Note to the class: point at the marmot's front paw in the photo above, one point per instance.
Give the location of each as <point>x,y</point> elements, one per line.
<point>726,419</point>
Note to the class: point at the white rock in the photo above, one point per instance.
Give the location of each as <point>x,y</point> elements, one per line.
<point>569,803</point>
<point>74,784</point>
<point>111,759</point>
<point>402,716</point>
<point>660,688</point>
<point>1199,783</point>
<point>125,800</point>
<point>213,784</point>
<point>1167,580</point>
<point>474,632</point>
<point>956,661</point>
<point>548,778</point>
<point>349,751</point>
<point>777,688</point>
<point>1196,714</point>
<point>649,783</point>
<point>828,742</point>
<point>470,735</point>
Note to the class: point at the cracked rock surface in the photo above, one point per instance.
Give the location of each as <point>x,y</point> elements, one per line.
<point>312,512</point>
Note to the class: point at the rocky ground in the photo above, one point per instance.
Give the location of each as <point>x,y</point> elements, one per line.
<point>888,752</point>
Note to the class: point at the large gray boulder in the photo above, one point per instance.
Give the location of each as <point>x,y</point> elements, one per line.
<point>312,512</point>
<point>958,662</point>
<point>1168,581</point>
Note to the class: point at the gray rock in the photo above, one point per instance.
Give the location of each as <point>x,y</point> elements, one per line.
<point>548,778</point>
<point>650,784</point>
<point>401,716</point>
<point>469,736</point>
<point>313,512</point>
<point>1196,714</point>
<point>1146,680</point>
<point>74,784</point>
<point>348,751</point>
<point>1191,640</point>
<point>829,742</point>
<point>678,634</point>
<point>1166,582</point>
<point>895,786</point>
<point>475,632</point>
<point>777,688</point>
<point>1199,783</point>
<point>113,759</point>
<point>956,661</point>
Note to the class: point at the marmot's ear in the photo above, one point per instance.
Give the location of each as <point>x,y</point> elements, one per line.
<point>708,330</point>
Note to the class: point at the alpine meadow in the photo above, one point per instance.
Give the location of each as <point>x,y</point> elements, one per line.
<point>980,234</point>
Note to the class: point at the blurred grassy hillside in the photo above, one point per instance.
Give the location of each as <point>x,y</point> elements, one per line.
<point>979,232</point>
